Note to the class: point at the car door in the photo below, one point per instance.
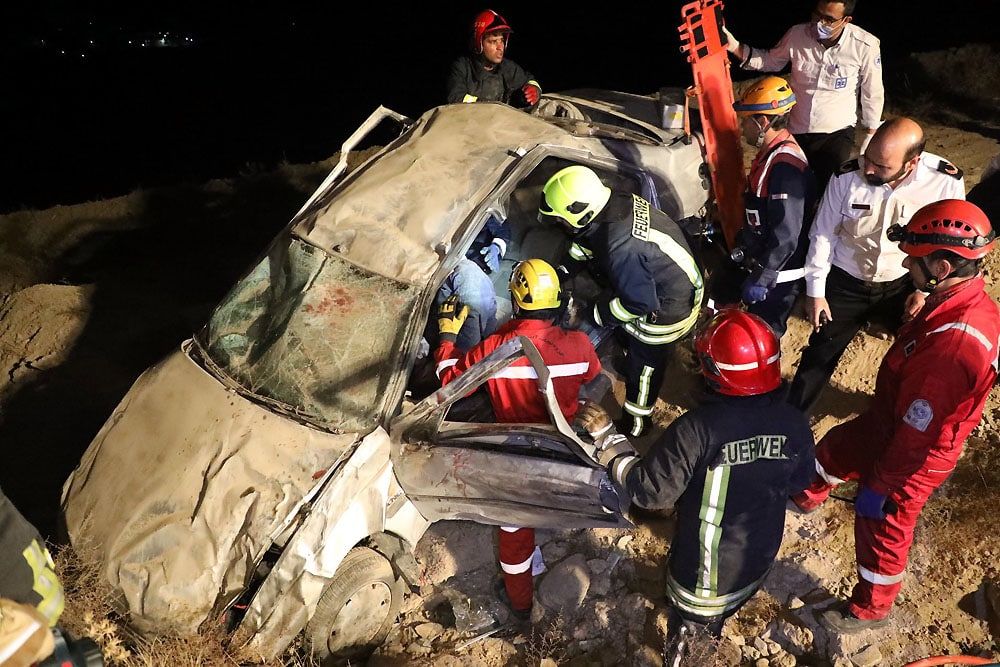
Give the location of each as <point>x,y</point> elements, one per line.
<point>539,475</point>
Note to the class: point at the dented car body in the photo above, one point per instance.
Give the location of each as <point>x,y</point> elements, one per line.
<point>241,471</point>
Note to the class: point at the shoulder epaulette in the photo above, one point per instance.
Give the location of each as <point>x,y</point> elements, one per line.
<point>946,167</point>
<point>849,166</point>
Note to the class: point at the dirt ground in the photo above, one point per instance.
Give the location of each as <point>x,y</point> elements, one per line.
<point>92,294</point>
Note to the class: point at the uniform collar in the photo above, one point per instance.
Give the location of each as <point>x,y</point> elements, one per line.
<point>783,136</point>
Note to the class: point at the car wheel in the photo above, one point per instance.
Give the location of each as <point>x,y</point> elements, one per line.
<point>357,608</point>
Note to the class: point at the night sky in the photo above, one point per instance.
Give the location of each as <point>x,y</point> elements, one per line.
<point>244,85</point>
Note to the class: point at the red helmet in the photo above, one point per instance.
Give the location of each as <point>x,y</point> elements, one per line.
<point>954,225</point>
<point>488,21</point>
<point>739,354</point>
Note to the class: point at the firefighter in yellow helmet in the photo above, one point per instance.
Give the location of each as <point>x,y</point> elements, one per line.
<point>537,299</point>
<point>780,200</point>
<point>653,285</point>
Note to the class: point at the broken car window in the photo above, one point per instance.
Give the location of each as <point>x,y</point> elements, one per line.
<point>311,331</point>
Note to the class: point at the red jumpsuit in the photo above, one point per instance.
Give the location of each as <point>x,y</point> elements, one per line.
<point>929,395</point>
<point>514,393</point>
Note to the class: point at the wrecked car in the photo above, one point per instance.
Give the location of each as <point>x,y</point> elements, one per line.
<point>275,470</point>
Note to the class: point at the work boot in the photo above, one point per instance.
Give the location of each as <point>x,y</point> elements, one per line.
<point>841,621</point>
<point>800,503</point>
<point>520,616</point>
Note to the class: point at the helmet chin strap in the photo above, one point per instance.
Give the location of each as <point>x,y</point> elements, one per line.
<point>932,281</point>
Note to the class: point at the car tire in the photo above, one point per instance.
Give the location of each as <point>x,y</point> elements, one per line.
<point>356,610</point>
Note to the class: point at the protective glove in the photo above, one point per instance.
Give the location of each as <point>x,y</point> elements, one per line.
<point>451,317</point>
<point>610,443</point>
<point>870,504</point>
<point>753,292</point>
<point>531,93</point>
<point>491,257</point>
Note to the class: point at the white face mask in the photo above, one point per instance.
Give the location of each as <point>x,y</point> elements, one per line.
<point>823,31</point>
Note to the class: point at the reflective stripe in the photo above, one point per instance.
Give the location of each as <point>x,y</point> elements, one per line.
<point>637,427</point>
<point>882,579</point>
<point>597,317</point>
<point>579,253</point>
<point>510,529</point>
<point>746,367</point>
<point>16,643</point>
<point>637,410</point>
<point>598,433</point>
<point>556,371</point>
<point>662,339</point>
<point>517,568</point>
<point>827,477</point>
<point>443,364</point>
<point>620,311</point>
<point>659,329</point>
<point>502,245</point>
<point>707,607</point>
<point>621,467</point>
<point>685,261</point>
<point>967,328</point>
<point>643,397</point>
<point>713,505</point>
<point>469,98</point>
<point>787,148</point>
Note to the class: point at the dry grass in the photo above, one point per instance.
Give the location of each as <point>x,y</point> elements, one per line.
<point>548,642</point>
<point>91,612</point>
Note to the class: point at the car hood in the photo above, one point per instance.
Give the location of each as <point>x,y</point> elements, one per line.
<point>393,214</point>
<point>183,490</point>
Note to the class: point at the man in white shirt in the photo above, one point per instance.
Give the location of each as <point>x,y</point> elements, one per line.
<point>835,65</point>
<point>854,273</point>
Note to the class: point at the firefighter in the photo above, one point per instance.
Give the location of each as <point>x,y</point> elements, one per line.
<point>486,75</point>
<point>780,201</point>
<point>31,597</point>
<point>929,395</point>
<point>725,466</point>
<point>537,302</point>
<point>654,286</point>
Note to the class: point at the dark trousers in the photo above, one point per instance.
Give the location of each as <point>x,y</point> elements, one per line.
<point>853,303</point>
<point>826,152</point>
<point>645,367</point>
<point>778,305</point>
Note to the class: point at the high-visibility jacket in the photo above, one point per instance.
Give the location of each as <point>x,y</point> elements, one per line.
<point>569,356</point>
<point>656,285</point>
<point>728,466</point>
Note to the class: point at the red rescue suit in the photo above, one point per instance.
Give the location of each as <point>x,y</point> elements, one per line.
<point>929,395</point>
<point>572,362</point>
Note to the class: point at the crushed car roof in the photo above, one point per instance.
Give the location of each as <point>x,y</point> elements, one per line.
<point>390,217</point>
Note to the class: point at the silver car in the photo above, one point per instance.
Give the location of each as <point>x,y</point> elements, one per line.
<point>276,470</point>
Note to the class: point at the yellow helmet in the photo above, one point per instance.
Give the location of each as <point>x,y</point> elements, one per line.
<point>534,285</point>
<point>771,96</point>
<point>573,195</point>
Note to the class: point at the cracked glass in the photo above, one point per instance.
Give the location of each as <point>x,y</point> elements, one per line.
<point>314,333</point>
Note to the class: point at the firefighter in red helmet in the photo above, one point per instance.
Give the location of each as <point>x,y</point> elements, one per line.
<point>929,395</point>
<point>486,75</point>
<point>724,466</point>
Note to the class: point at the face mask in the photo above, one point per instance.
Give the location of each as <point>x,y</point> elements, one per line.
<point>823,31</point>
<point>757,141</point>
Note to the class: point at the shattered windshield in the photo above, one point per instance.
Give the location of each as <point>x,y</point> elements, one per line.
<point>313,332</point>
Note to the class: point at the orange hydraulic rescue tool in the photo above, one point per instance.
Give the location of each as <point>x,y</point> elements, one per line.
<point>702,40</point>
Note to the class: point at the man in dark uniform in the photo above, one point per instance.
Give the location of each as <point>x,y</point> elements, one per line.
<point>780,201</point>
<point>724,465</point>
<point>654,286</point>
<point>485,75</point>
